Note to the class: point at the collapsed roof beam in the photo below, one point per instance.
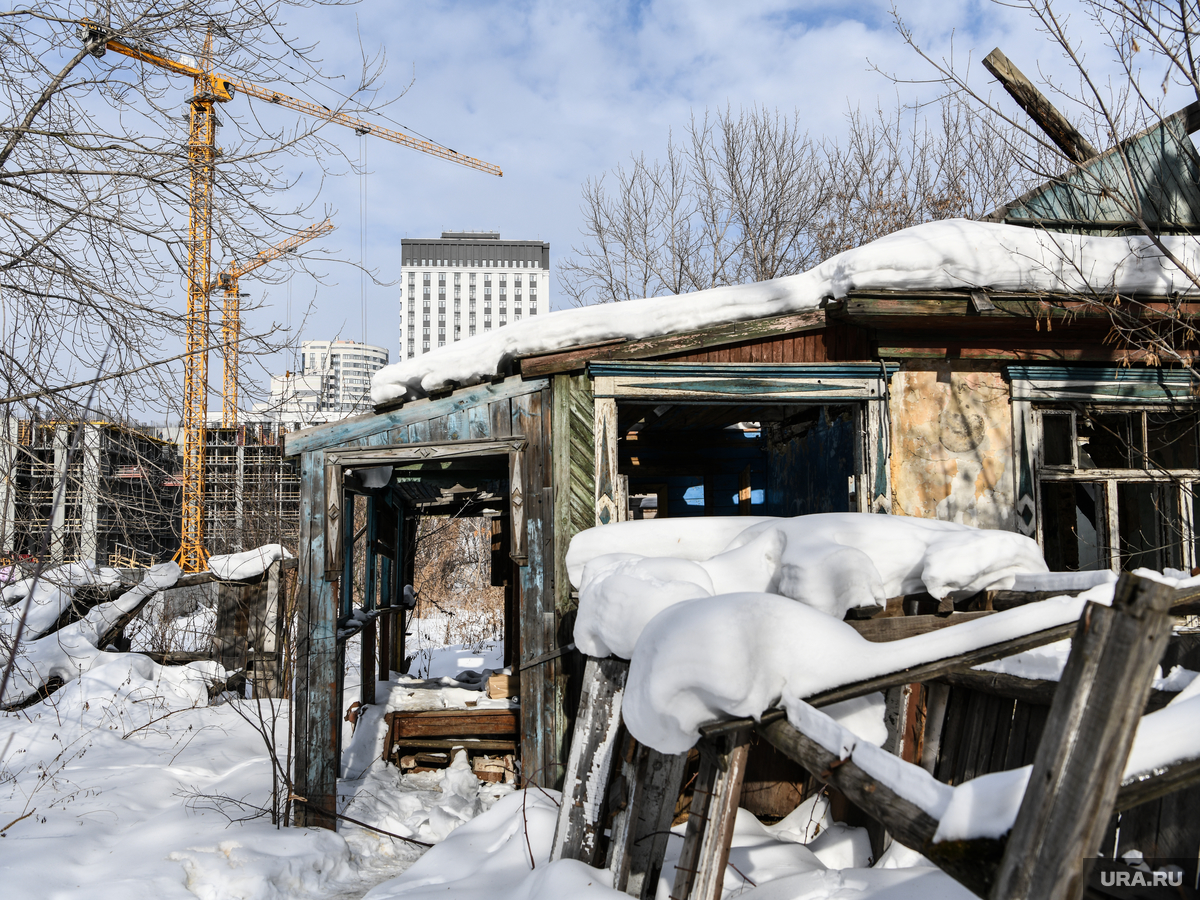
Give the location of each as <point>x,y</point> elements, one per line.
<point>1041,110</point>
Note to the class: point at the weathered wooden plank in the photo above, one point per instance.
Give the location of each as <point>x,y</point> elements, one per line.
<point>893,628</point>
<point>904,820</point>
<point>333,518</point>
<point>345,431</point>
<point>412,451</point>
<point>1176,778</point>
<point>591,761</point>
<point>452,723</point>
<point>1050,120</point>
<point>478,423</point>
<point>700,872</point>
<point>315,704</point>
<point>611,503</point>
<point>692,341</point>
<point>1084,748</point>
<point>641,831</point>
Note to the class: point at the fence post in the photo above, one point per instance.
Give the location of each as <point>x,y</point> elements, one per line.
<point>1086,742</point>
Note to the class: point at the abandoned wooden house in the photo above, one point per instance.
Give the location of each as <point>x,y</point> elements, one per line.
<point>1010,410</point>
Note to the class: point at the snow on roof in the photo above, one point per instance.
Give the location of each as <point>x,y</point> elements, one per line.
<point>952,254</point>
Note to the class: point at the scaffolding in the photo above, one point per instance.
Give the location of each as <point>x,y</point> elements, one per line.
<point>117,493</point>
<point>122,495</point>
<point>251,490</point>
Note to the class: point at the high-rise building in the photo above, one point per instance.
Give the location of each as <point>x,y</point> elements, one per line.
<point>334,381</point>
<point>468,283</point>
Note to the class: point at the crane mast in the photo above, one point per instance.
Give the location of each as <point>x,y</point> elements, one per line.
<point>209,89</point>
<point>231,322</point>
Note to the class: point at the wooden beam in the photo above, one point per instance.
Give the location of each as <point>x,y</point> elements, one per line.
<point>1041,110</point>
<point>894,628</point>
<point>1086,742</point>
<point>904,820</point>
<point>399,413</point>
<point>591,760</point>
<point>669,344</point>
<point>700,872</point>
<point>641,830</point>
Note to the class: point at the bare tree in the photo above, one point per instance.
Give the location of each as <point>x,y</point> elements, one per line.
<point>94,188</point>
<point>1142,183</point>
<point>749,197</point>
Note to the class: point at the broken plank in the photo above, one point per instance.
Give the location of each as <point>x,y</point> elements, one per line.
<point>700,872</point>
<point>589,765</point>
<point>904,820</point>
<point>641,832</point>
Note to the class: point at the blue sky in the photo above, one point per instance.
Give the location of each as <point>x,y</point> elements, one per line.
<point>556,92</point>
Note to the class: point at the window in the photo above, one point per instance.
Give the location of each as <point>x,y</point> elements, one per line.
<point>425,345</point>
<point>458,278</point>
<point>503,281</point>
<point>487,279</point>
<point>442,278</point>
<point>412,277</point>
<point>472,279</point>
<point>1119,487</point>
<point>426,279</point>
<point>472,331</point>
<point>532,309</point>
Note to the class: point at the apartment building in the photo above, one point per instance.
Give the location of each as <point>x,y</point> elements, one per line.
<point>467,283</point>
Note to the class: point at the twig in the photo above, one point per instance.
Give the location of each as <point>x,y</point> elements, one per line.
<point>326,812</point>
<point>16,820</point>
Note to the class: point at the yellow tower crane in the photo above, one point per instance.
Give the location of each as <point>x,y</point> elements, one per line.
<point>231,321</point>
<point>209,89</point>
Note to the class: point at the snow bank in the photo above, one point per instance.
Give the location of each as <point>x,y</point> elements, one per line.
<point>951,254</point>
<point>48,595</point>
<point>489,858</point>
<point>71,651</point>
<point>239,566</point>
<point>629,572</point>
<point>739,654</point>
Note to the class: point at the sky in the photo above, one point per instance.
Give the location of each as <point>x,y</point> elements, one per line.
<point>555,93</point>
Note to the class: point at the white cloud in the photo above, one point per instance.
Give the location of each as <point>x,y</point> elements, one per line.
<point>556,92</point>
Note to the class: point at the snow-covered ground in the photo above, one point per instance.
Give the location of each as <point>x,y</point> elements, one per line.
<point>129,782</point>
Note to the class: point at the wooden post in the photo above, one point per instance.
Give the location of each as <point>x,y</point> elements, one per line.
<point>1085,745</point>
<point>370,587</point>
<point>591,761</point>
<point>385,621</point>
<point>612,502</point>
<point>318,719</point>
<point>640,831</point>
<point>1041,110</point>
<point>700,872</point>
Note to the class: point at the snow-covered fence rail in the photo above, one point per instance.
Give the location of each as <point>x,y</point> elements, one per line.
<point>1079,706</point>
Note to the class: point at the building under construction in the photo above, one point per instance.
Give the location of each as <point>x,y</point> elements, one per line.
<point>122,491</point>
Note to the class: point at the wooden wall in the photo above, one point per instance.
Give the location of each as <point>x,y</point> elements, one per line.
<point>837,342</point>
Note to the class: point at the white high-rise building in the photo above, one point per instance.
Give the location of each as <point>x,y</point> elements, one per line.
<point>334,381</point>
<point>467,283</point>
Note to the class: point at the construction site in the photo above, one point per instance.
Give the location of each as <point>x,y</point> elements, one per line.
<point>121,487</point>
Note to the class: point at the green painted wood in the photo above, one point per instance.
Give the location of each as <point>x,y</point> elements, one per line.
<point>573,477</point>
<point>353,429</point>
<point>1154,173</point>
<point>316,709</point>
<point>1100,384</point>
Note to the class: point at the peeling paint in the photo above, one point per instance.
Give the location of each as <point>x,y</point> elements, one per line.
<point>952,443</point>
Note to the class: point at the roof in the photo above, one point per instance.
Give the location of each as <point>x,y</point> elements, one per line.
<point>955,254</point>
